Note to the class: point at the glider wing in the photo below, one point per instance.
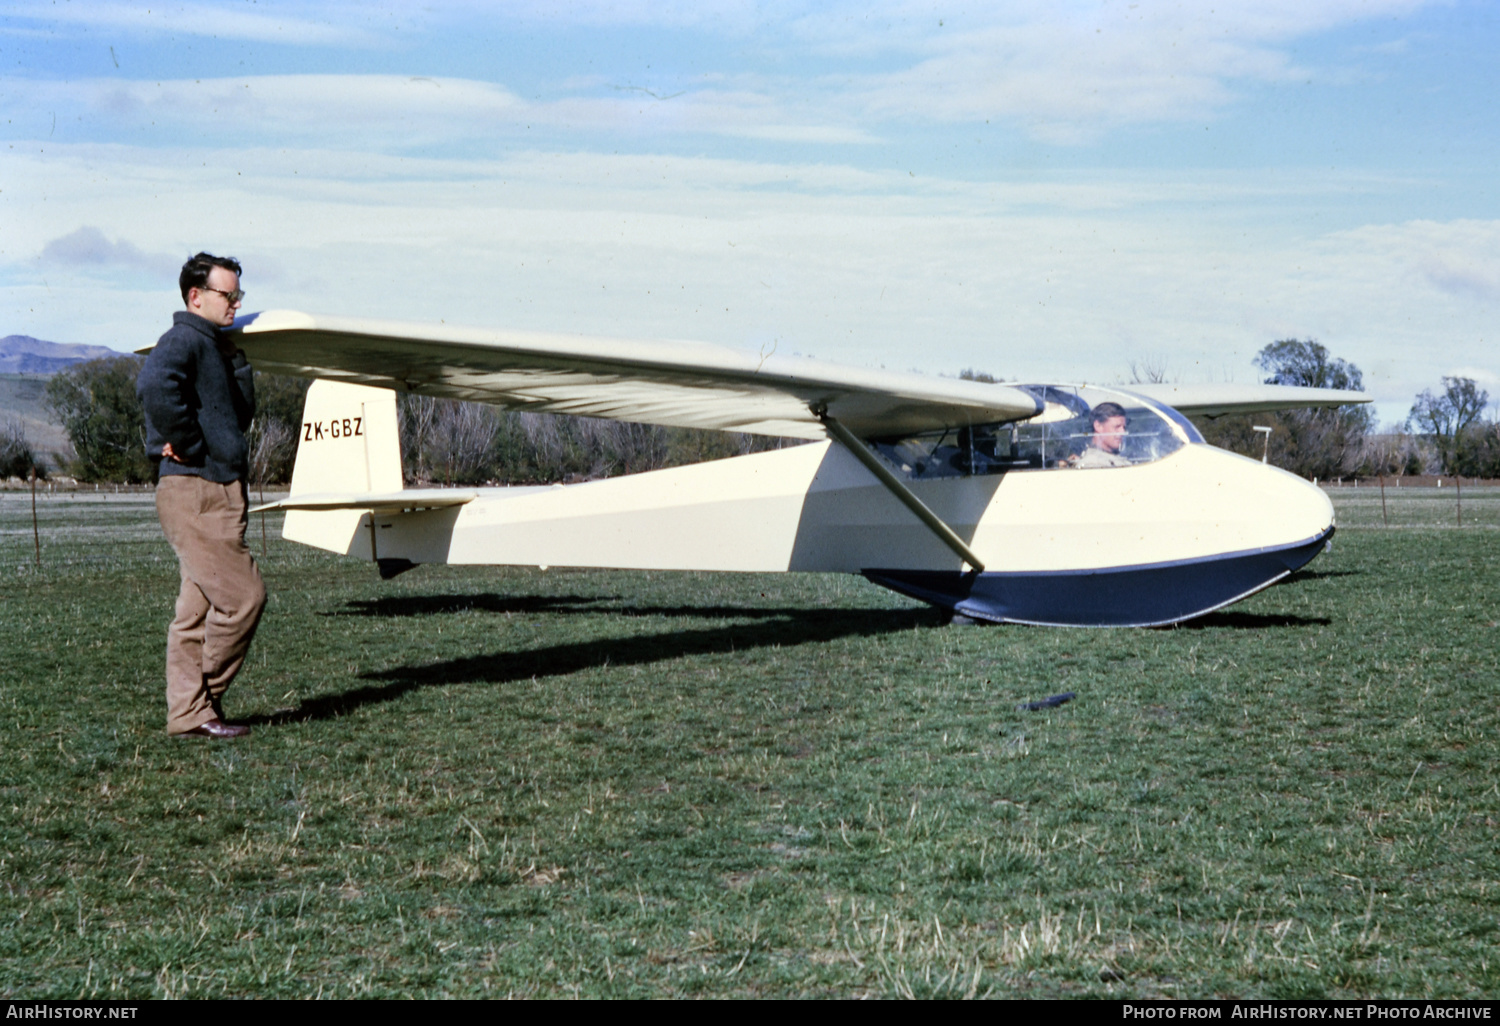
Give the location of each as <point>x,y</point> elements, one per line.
<point>1220,398</point>
<point>683,384</point>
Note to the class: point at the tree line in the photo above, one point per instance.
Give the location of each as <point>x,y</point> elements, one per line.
<point>443,441</point>
<point>1315,444</point>
<point>451,442</point>
<point>1444,432</point>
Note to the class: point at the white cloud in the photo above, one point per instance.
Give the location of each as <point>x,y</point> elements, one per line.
<point>722,16</point>
<point>1450,261</point>
<point>1069,71</point>
<point>223,21</point>
<point>1485,377</point>
<point>403,112</point>
<point>1065,72</point>
<point>802,133</point>
<point>87,247</point>
<point>347,105</point>
<point>869,268</point>
<point>1463,276</point>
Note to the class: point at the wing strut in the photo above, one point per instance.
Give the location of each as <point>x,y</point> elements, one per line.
<point>898,488</point>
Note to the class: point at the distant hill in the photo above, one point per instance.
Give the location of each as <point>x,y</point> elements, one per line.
<point>25,364</point>
<point>22,354</point>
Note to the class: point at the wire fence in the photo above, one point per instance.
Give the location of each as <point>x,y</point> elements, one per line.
<point>1456,504</point>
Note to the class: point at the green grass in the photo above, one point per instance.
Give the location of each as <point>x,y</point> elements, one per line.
<point>477,782</point>
<point>1418,507</point>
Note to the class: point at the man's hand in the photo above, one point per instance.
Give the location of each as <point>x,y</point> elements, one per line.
<point>168,454</point>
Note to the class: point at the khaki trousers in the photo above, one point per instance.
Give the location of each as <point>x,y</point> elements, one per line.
<point>221,598</point>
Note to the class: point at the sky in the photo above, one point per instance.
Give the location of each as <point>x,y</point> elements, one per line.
<point>1044,192</point>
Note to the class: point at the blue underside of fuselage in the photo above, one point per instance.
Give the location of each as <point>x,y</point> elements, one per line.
<point>1152,595</point>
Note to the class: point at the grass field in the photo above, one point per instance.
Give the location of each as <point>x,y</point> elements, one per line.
<point>477,782</point>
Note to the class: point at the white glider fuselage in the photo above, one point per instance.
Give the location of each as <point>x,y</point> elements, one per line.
<point>814,507</point>
<point>1152,542</point>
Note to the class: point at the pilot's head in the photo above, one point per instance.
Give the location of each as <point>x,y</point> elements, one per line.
<point>1109,427</point>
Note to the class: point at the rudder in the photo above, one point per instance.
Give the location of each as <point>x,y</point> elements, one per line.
<point>350,443</point>
<point>350,440</point>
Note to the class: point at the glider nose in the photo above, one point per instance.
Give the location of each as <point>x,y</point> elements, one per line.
<point>1263,509</point>
<point>1298,508</point>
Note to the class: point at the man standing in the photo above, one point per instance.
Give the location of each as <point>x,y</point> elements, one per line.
<point>199,396</point>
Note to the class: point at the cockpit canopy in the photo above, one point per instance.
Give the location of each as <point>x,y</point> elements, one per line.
<point>1080,427</point>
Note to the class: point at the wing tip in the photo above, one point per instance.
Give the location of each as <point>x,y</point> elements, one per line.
<point>274,320</point>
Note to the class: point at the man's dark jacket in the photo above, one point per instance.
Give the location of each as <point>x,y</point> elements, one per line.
<point>199,394</point>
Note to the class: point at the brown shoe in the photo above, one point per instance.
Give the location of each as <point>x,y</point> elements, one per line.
<point>216,729</point>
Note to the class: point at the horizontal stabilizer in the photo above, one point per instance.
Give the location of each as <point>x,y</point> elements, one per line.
<point>386,502</point>
<point>1217,399</point>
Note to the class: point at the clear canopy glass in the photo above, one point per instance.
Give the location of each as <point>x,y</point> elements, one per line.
<point>1080,427</point>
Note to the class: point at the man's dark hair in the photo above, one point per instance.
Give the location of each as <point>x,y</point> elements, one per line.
<point>1104,411</point>
<point>195,272</point>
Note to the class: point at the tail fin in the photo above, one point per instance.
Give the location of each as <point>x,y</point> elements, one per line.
<point>350,444</point>
<point>346,484</point>
<point>350,440</point>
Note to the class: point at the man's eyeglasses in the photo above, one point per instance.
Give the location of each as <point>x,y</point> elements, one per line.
<point>233,297</point>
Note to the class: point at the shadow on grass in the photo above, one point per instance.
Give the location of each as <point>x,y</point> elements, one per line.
<point>792,628</point>
<point>430,605</point>
<point>1249,621</point>
<point>1318,575</point>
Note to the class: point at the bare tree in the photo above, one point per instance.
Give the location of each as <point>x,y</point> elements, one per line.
<point>549,449</point>
<point>1149,370</point>
<point>1393,453</point>
<point>272,443</point>
<point>416,414</point>
<point>461,438</point>
<point>17,457</point>
<point>1448,417</point>
<point>623,448</point>
<point>464,442</point>
<point>447,439</point>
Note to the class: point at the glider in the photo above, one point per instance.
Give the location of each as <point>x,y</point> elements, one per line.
<point>1050,504</point>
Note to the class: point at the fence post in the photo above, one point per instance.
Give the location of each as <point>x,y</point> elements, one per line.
<point>1384,518</point>
<point>36,534</point>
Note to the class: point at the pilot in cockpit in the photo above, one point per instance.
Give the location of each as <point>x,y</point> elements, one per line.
<point>1107,440</point>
